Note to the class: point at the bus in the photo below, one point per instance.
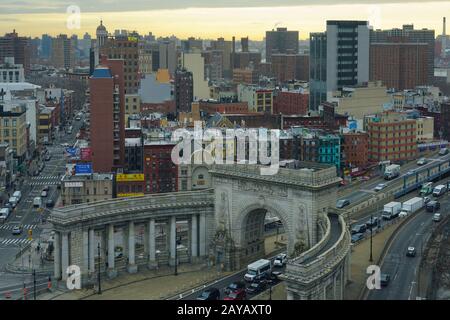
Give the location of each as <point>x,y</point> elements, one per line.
<point>258,270</point>
<point>427,188</point>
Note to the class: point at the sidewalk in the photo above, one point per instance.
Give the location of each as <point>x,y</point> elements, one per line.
<point>154,284</point>
<point>360,260</point>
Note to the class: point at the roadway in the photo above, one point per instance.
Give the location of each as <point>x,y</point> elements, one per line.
<point>403,269</point>
<point>25,214</point>
<point>367,188</point>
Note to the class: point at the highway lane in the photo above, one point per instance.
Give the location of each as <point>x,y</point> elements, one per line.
<point>403,269</point>
<point>368,187</point>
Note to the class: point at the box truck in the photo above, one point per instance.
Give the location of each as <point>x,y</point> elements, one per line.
<point>411,206</point>
<point>392,171</point>
<point>391,210</point>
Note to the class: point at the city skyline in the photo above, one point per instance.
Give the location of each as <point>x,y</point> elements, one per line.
<point>209,23</point>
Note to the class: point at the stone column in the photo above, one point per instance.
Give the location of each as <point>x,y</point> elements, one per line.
<point>152,263</point>
<point>194,238</point>
<point>85,268</point>
<point>65,255</point>
<point>131,267</point>
<point>91,251</point>
<point>334,287</point>
<point>57,256</point>
<point>202,233</point>
<point>173,243</point>
<point>112,272</point>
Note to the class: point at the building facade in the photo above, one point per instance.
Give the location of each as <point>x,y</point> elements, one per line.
<point>281,41</point>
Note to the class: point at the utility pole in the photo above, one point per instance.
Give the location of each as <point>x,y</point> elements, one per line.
<point>34,284</point>
<point>371,228</point>
<point>99,265</point>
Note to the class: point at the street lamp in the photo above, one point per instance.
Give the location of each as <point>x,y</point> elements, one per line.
<point>99,264</point>
<point>371,228</point>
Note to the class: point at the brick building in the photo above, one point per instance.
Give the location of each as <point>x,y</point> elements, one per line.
<point>392,136</point>
<point>11,45</point>
<point>290,102</point>
<point>355,146</point>
<point>399,65</point>
<point>161,174</point>
<point>286,67</point>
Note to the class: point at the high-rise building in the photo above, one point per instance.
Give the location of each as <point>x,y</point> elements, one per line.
<point>126,48</point>
<point>408,34</point>
<point>11,72</point>
<point>338,57</point>
<point>192,45</point>
<point>184,90</point>
<point>86,45</point>
<point>226,47</point>
<point>286,67</point>
<point>168,55</point>
<point>11,45</point>
<point>46,46</point>
<point>107,127</point>
<point>244,44</point>
<point>213,64</point>
<point>281,41</point>
<point>63,55</point>
<point>400,65</point>
<point>195,63</point>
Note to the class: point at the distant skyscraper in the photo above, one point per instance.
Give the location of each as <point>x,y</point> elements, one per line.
<point>338,57</point>
<point>408,34</point>
<point>168,55</point>
<point>86,45</point>
<point>11,45</point>
<point>244,44</point>
<point>184,90</point>
<point>63,55</point>
<point>46,46</point>
<point>281,41</point>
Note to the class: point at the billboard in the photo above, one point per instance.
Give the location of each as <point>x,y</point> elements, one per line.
<point>129,177</point>
<point>73,184</point>
<point>86,154</point>
<point>72,152</point>
<point>83,168</point>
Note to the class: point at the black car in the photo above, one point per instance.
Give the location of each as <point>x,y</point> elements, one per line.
<point>210,294</point>
<point>433,206</point>
<point>234,287</point>
<point>384,279</point>
<point>50,203</point>
<point>359,228</point>
<point>256,287</point>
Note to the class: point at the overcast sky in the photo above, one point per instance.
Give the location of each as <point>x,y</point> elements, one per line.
<point>213,18</point>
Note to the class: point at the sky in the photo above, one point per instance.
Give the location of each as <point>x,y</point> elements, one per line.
<point>210,19</point>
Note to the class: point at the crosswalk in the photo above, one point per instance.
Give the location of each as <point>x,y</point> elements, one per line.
<point>45,180</point>
<point>14,241</point>
<point>11,226</point>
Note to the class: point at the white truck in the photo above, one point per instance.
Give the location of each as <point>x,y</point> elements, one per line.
<point>411,206</point>
<point>391,210</point>
<point>392,171</point>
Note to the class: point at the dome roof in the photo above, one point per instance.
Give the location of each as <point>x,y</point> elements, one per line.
<point>101,27</point>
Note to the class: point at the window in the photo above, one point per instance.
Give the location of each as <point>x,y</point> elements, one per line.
<point>14,122</point>
<point>6,122</point>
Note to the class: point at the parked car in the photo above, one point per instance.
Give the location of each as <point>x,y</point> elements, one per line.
<point>280,260</point>
<point>239,285</point>
<point>384,279</point>
<point>342,203</point>
<point>236,295</point>
<point>357,237</point>
<point>256,287</point>
<point>437,217</point>
<point>411,252</point>
<point>13,201</point>
<point>372,222</point>
<point>17,230</point>
<point>380,187</point>
<point>44,194</point>
<point>359,228</point>
<point>210,294</point>
<point>426,200</point>
<point>443,151</point>
<point>433,206</point>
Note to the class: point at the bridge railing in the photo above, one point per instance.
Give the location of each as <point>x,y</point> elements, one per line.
<point>317,247</point>
<point>100,208</point>
<point>323,263</point>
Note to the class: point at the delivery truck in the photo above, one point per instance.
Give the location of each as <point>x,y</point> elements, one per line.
<point>391,210</point>
<point>392,171</point>
<point>411,206</point>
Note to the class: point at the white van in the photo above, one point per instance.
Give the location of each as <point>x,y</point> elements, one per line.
<point>18,195</point>
<point>439,190</point>
<point>13,201</point>
<point>4,214</point>
<point>258,270</point>
<point>37,202</point>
